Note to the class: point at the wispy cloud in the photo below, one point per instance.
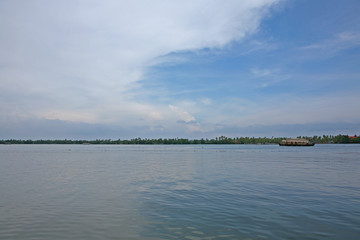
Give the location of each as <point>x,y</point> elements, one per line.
<point>258,73</point>
<point>302,110</point>
<point>268,76</point>
<point>333,46</point>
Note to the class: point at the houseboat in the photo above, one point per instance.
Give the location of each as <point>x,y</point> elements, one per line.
<point>296,142</point>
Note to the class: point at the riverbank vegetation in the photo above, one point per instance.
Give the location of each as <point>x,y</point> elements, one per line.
<point>218,140</point>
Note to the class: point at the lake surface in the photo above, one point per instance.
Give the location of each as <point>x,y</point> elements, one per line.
<point>179,192</point>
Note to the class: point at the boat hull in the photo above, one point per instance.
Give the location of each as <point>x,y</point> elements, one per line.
<point>297,144</point>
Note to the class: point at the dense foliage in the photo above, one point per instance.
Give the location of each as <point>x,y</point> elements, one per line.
<point>218,140</point>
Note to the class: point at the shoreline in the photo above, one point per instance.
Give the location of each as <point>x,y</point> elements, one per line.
<point>339,139</point>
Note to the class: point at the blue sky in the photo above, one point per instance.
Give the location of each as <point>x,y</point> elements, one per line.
<point>115,69</point>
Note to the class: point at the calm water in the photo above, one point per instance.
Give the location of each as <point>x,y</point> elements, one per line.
<point>179,192</point>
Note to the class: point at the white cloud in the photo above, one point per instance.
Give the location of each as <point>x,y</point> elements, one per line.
<point>181,114</point>
<point>80,61</point>
<point>74,60</point>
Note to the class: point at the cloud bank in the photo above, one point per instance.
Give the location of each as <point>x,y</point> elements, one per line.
<point>84,69</point>
<point>80,61</point>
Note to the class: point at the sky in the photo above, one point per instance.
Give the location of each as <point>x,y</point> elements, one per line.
<point>113,69</point>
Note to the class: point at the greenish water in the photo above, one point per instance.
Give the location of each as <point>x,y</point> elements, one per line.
<point>179,192</point>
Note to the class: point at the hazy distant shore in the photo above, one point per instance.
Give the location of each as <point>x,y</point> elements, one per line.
<point>325,139</point>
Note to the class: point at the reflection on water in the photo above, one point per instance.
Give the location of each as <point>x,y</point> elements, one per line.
<point>179,192</point>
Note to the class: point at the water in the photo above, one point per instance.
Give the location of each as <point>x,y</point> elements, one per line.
<point>179,192</point>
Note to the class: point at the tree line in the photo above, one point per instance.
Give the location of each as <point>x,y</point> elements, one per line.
<point>218,140</point>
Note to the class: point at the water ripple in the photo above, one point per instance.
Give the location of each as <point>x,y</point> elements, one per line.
<point>179,192</point>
